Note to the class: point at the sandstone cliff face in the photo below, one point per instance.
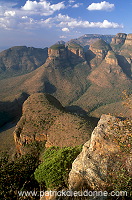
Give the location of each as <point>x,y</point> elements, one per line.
<point>91,167</point>
<point>111,58</point>
<point>45,120</point>
<point>71,52</point>
<point>57,53</point>
<point>119,38</point>
<point>99,50</point>
<point>128,40</point>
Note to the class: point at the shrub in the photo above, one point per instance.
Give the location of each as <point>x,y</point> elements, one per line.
<point>57,163</point>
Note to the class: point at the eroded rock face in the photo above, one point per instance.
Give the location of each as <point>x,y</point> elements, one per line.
<point>100,48</point>
<point>119,38</point>
<point>91,167</point>
<point>57,53</point>
<point>111,58</point>
<point>72,51</point>
<point>128,40</point>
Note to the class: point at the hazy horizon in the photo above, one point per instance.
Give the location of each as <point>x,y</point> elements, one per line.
<point>42,23</point>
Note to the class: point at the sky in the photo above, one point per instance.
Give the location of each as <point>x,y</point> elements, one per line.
<point>41,23</point>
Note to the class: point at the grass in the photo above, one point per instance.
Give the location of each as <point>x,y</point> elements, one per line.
<point>57,46</point>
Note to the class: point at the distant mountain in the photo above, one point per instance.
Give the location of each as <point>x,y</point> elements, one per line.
<point>88,39</point>
<point>20,60</point>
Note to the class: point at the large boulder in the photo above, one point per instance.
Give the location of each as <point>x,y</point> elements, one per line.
<point>104,156</point>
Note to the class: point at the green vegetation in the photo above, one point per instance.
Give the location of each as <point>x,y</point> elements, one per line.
<point>53,171</point>
<point>74,46</point>
<point>57,46</point>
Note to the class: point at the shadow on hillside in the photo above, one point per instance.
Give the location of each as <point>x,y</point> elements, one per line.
<point>125,65</point>
<point>11,111</point>
<point>89,55</point>
<point>76,110</point>
<point>9,125</point>
<point>49,88</point>
<point>80,112</point>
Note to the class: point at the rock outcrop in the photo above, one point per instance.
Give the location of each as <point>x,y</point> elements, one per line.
<point>111,58</point>
<point>100,48</point>
<point>100,154</point>
<point>128,40</point>
<point>57,51</point>
<point>71,51</point>
<point>119,39</point>
<point>45,120</point>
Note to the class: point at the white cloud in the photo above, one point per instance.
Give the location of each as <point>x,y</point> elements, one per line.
<point>71,1</point>
<point>43,7</point>
<point>9,13</point>
<point>30,17</point>
<point>66,21</point>
<point>61,17</point>
<point>104,5</point>
<point>63,37</point>
<point>77,5</point>
<point>65,29</point>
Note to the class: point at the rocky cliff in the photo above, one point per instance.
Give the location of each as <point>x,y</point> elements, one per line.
<point>111,58</point>
<point>72,52</point>
<point>99,50</point>
<point>119,39</point>
<point>128,40</point>
<point>110,143</point>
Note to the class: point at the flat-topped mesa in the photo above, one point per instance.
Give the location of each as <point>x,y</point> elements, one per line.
<point>61,51</point>
<point>119,39</point>
<point>100,48</point>
<point>57,51</point>
<point>111,58</point>
<point>128,40</point>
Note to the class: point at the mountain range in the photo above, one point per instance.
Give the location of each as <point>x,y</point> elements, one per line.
<point>86,81</point>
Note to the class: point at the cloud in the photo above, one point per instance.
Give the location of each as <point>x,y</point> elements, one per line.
<point>34,14</point>
<point>66,21</point>
<point>71,1</point>
<point>9,13</point>
<point>63,37</point>
<point>77,5</point>
<point>65,29</point>
<point>101,6</point>
<point>43,7</point>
